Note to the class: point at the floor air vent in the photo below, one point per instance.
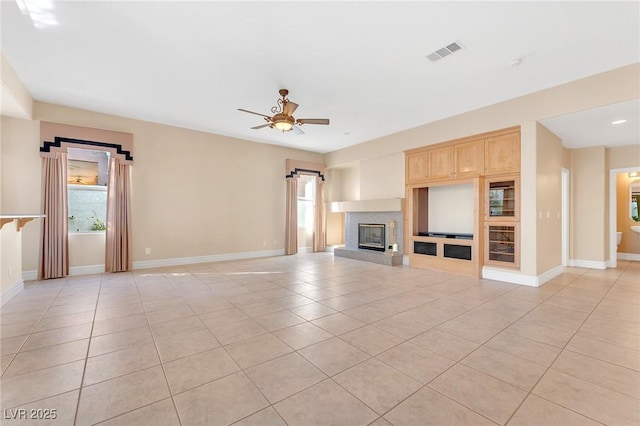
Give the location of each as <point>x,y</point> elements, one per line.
<point>445,51</point>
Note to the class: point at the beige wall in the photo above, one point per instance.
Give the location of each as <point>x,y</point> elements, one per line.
<point>86,249</point>
<point>344,183</point>
<point>194,194</point>
<point>630,240</point>
<point>20,184</point>
<point>590,201</point>
<point>15,96</point>
<point>382,177</point>
<point>623,156</point>
<point>621,84</point>
<point>10,257</point>
<point>549,154</point>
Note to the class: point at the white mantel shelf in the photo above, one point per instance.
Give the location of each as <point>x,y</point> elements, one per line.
<point>382,205</point>
<point>22,219</point>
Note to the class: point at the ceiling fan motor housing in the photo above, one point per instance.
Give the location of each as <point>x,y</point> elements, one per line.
<point>283,122</point>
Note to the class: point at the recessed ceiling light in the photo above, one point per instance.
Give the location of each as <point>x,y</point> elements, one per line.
<point>618,121</point>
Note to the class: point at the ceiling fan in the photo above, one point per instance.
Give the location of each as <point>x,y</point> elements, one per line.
<point>283,116</point>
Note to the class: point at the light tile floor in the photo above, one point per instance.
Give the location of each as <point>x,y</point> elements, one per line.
<point>310,339</point>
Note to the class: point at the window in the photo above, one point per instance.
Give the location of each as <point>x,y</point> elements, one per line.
<point>306,210</point>
<point>87,177</point>
<point>306,192</point>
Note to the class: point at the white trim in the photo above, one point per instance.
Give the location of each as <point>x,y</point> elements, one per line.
<point>613,216</point>
<point>509,276</point>
<point>591,264</point>
<point>86,270</point>
<point>145,264</point>
<point>629,256</point>
<point>565,216</point>
<point>305,249</point>
<point>29,275</point>
<point>12,292</point>
<point>550,274</point>
<point>366,206</point>
<point>518,278</point>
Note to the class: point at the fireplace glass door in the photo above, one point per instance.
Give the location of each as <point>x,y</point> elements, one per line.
<point>371,236</point>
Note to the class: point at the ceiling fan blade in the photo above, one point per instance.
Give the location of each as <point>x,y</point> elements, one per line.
<point>289,108</point>
<point>251,112</point>
<point>313,121</point>
<point>297,130</point>
<point>263,125</point>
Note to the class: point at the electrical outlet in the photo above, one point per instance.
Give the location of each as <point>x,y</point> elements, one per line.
<point>147,250</point>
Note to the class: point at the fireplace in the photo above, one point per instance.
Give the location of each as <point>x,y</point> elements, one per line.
<point>371,236</point>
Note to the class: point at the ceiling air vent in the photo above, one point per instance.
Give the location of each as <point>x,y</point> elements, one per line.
<point>445,51</point>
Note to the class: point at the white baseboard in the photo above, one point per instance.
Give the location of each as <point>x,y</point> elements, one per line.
<point>591,264</point>
<point>146,264</point>
<point>550,274</point>
<point>629,256</point>
<point>86,270</point>
<point>74,270</point>
<point>159,263</point>
<point>29,275</point>
<point>518,278</point>
<point>12,292</point>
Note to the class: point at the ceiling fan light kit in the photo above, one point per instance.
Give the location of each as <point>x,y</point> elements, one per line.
<point>283,119</point>
<point>283,122</point>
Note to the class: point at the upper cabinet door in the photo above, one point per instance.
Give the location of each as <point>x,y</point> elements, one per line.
<point>502,154</point>
<point>469,159</point>
<point>416,167</point>
<point>440,163</point>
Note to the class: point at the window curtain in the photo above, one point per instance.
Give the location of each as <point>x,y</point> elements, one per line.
<point>319,243</point>
<point>291,230</point>
<point>54,247</point>
<point>118,256</point>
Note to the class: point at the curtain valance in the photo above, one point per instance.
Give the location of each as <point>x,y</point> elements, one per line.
<point>56,137</point>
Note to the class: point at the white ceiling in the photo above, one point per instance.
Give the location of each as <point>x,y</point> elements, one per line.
<point>361,64</point>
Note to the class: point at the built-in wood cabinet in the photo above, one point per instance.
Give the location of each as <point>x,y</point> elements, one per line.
<point>502,198</point>
<point>502,154</point>
<point>443,249</point>
<point>502,241</point>
<point>417,167</point>
<point>440,163</point>
<point>492,162</point>
<point>458,161</point>
<point>469,159</point>
<point>491,154</point>
<point>502,220</point>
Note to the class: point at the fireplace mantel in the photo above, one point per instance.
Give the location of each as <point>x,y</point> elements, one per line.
<point>381,205</point>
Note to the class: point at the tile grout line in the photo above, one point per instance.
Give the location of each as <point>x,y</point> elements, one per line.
<point>530,392</point>
<point>458,362</point>
<point>155,344</point>
<point>34,327</point>
<point>86,359</point>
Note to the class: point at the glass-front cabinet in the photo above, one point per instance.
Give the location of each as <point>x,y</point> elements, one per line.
<point>502,198</point>
<point>502,221</point>
<point>503,244</point>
